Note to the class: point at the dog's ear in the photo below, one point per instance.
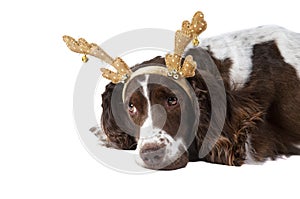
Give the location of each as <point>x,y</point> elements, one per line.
<point>114,124</point>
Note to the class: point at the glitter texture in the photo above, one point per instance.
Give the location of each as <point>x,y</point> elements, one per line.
<point>189,31</point>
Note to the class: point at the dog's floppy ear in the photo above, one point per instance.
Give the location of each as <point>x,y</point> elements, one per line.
<point>111,127</point>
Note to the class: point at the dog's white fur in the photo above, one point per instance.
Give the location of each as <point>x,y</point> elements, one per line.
<point>147,127</point>
<point>238,47</point>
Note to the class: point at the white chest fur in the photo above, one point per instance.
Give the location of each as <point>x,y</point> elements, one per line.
<point>238,47</point>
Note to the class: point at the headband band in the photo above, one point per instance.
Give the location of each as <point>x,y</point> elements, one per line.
<point>158,70</point>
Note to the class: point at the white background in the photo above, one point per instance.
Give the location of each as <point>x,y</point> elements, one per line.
<point>41,154</point>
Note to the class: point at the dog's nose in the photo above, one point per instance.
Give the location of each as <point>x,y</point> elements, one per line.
<point>153,153</point>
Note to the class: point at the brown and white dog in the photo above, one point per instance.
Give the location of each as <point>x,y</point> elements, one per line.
<point>260,70</point>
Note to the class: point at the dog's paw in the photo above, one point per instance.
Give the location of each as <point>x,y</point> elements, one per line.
<point>102,137</point>
<point>97,131</point>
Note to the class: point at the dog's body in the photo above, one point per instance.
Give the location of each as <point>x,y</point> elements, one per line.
<point>260,70</point>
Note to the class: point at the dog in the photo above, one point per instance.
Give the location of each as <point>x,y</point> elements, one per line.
<point>259,70</point>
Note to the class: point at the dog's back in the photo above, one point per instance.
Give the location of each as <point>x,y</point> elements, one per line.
<point>262,64</point>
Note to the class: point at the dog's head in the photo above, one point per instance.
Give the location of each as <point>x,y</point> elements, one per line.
<point>154,113</point>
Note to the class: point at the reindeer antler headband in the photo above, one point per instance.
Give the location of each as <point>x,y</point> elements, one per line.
<point>183,37</point>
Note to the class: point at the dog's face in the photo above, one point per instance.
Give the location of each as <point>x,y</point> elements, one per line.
<point>162,111</point>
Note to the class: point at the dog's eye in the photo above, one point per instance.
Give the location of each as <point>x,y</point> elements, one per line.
<point>172,101</point>
<point>131,108</point>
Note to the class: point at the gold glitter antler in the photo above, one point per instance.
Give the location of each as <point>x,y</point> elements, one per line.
<point>83,47</point>
<point>183,37</point>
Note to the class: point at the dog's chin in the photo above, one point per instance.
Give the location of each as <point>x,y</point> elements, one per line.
<point>162,152</point>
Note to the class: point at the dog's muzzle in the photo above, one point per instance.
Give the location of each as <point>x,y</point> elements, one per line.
<point>161,151</point>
